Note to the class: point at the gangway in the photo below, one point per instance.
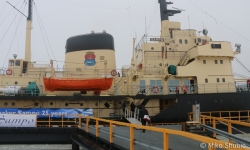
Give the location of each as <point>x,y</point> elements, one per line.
<point>120,135</point>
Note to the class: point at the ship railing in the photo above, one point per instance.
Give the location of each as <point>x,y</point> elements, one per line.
<point>228,122</point>
<point>241,115</point>
<point>159,55</point>
<point>47,120</point>
<point>58,120</point>
<point>130,140</point>
<point>158,88</point>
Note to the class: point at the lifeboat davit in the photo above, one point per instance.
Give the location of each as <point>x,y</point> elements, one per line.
<point>76,84</point>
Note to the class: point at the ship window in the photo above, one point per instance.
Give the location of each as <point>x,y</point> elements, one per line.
<point>156,86</point>
<point>215,61</point>
<point>206,80</point>
<point>221,61</point>
<point>216,46</point>
<point>218,79</point>
<point>101,57</point>
<point>172,84</point>
<point>186,41</point>
<point>11,63</point>
<point>180,41</point>
<point>152,48</point>
<point>223,80</point>
<point>194,40</point>
<point>142,87</point>
<point>17,62</point>
<point>199,40</point>
<point>204,61</point>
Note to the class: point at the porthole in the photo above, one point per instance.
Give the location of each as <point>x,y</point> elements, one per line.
<point>66,104</point>
<point>81,104</point>
<point>5,104</point>
<point>13,103</point>
<point>51,103</point>
<point>36,103</point>
<point>152,48</point>
<point>96,104</point>
<point>16,82</point>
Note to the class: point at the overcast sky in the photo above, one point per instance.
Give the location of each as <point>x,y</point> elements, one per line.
<point>124,19</point>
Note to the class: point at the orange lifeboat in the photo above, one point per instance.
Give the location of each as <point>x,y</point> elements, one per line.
<point>76,84</point>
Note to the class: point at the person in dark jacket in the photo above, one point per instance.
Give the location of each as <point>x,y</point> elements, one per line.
<point>123,106</point>
<point>132,107</point>
<point>143,112</point>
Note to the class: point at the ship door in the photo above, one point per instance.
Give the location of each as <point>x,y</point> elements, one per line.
<point>25,65</point>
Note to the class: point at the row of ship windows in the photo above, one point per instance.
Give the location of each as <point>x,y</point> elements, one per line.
<point>215,61</point>
<point>218,80</point>
<point>186,41</point>
<point>180,41</point>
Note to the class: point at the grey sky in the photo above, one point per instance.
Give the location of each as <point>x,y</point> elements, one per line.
<point>124,19</point>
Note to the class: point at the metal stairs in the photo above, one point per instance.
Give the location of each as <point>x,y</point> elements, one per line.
<point>133,118</point>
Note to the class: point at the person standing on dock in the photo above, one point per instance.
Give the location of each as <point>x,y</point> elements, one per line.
<point>142,113</point>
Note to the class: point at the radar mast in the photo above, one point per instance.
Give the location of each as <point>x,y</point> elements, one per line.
<point>165,12</point>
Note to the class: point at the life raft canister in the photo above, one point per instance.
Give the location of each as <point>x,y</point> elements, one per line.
<point>155,89</point>
<point>9,72</point>
<point>184,88</point>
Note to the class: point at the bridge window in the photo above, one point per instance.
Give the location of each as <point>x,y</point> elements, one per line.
<point>223,80</point>
<point>199,40</point>
<point>221,61</point>
<point>206,80</point>
<point>218,79</point>
<point>186,41</point>
<point>216,46</point>
<point>215,61</point>
<point>11,62</point>
<point>204,61</point>
<point>180,41</point>
<point>17,62</point>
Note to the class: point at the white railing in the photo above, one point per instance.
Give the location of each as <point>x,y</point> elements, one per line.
<point>132,117</point>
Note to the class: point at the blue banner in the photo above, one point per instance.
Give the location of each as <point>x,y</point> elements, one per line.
<point>45,112</point>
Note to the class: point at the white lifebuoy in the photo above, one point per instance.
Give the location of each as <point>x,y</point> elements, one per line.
<point>155,89</point>
<point>9,72</point>
<point>113,73</point>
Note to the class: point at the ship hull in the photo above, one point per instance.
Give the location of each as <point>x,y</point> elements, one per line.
<point>175,113</point>
<point>72,84</point>
<point>208,102</point>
